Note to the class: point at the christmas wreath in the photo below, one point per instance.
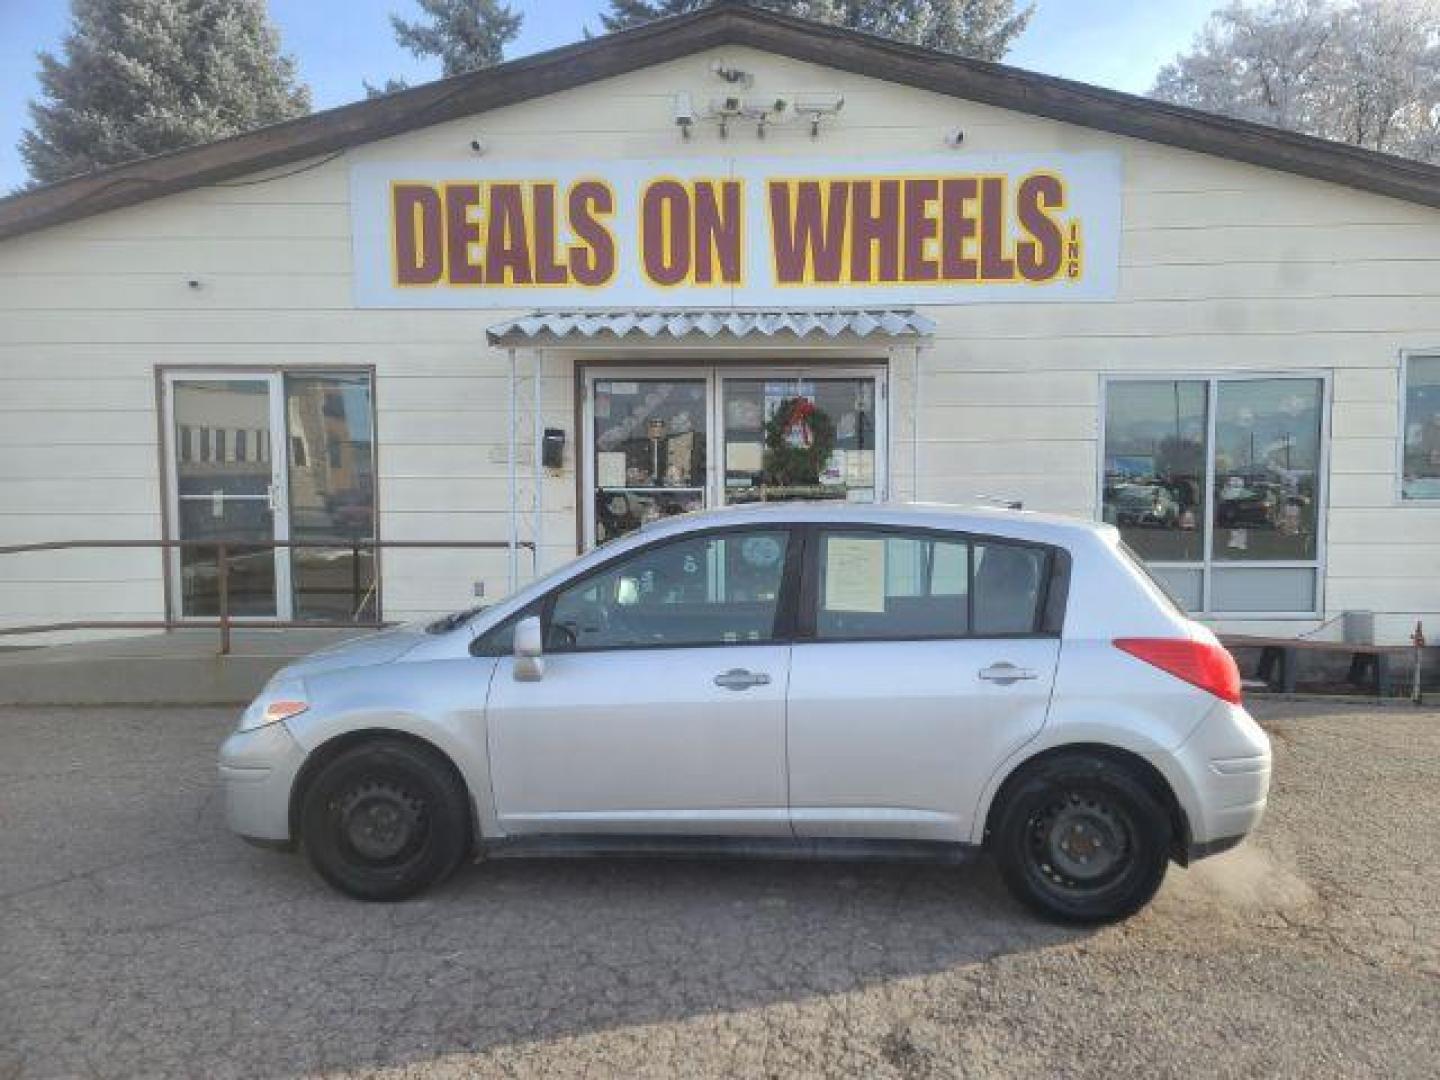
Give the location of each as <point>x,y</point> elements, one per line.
<point>799,439</point>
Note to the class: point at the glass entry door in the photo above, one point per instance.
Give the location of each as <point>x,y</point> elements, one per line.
<point>262,457</point>
<point>663,441</point>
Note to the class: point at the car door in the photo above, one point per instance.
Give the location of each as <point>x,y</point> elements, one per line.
<point>922,660</point>
<point>661,708</point>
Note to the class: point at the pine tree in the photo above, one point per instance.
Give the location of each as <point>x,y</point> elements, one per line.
<point>464,34</point>
<point>141,77</point>
<point>980,28</point>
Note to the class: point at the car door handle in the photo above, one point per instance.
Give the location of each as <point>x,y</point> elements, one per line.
<point>1006,673</point>
<point>740,679</point>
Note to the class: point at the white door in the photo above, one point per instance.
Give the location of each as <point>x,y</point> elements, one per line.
<point>227,480</point>
<point>264,457</point>
<point>662,705</point>
<point>921,663</point>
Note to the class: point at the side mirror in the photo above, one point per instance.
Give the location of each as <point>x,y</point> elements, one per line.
<point>529,650</point>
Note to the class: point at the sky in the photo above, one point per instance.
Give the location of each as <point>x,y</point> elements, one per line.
<point>340,43</point>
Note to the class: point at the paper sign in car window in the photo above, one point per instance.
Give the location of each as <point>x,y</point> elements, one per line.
<point>855,574</point>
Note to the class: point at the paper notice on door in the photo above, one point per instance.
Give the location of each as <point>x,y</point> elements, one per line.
<point>744,457</point>
<point>855,574</point>
<point>610,469</point>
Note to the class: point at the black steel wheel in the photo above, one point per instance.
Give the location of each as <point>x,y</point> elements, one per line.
<point>1081,838</point>
<point>385,820</point>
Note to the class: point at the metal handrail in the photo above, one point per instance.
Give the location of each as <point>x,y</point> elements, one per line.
<point>224,620</point>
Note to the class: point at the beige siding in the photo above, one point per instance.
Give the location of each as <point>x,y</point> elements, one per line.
<point>1225,267</point>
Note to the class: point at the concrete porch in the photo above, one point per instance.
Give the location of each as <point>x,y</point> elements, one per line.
<point>180,667</point>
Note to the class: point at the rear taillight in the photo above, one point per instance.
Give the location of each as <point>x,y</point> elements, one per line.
<point>1199,663</point>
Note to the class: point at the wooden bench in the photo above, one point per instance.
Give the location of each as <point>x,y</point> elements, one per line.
<point>1369,664</point>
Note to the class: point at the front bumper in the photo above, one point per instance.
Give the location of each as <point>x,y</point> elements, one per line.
<point>257,772</point>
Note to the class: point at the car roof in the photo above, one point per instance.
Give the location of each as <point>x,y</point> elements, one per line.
<point>994,520</point>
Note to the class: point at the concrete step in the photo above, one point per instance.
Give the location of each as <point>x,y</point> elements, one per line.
<point>181,667</point>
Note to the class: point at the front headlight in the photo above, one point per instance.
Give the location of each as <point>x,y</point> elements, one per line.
<point>274,705</point>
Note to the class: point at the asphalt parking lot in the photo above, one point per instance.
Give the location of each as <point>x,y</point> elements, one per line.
<point>137,938</point>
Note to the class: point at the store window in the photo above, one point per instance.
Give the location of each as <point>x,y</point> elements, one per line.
<point>1420,468</point>
<point>664,443</point>
<point>1216,484</point>
<point>650,451</point>
<point>698,590</point>
<point>799,439</point>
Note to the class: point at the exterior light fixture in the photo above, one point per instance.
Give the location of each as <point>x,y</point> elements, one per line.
<point>684,115</point>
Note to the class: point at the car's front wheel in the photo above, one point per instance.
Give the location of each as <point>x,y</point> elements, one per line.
<point>385,820</point>
<point>1081,838</point>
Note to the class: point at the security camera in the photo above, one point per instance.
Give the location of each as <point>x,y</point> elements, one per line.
<point>956,138</point>
<point>477,145</point>
<point>817,107</point>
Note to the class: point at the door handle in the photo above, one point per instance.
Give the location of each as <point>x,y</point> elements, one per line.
<point>740,679</point>
<point>1006,673</point>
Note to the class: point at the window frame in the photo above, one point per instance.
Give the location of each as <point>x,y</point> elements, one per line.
<point>1049,619</point>
<point>1403,388</point>
<point>1207,564</point>
<point>784,626</point>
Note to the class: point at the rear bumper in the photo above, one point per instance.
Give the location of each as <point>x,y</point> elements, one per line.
<point>257,772</point>
<point>1225,764</point>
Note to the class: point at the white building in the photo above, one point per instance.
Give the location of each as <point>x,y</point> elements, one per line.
<point>983,282</point>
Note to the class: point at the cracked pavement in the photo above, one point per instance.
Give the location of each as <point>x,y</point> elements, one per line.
<point>138,938</point>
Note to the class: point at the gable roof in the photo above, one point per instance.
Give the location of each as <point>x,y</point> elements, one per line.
<point>725,23</point>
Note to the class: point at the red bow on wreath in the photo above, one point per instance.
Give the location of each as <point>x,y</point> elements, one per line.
<point>799,439</point>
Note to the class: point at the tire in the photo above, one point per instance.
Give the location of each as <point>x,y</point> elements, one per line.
<point>385,820</point>
<point>1079,838</point>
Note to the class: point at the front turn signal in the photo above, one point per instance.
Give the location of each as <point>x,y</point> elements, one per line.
<point>284,710</point>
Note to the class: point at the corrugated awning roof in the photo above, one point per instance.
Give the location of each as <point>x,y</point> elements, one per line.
<point>886,322</point>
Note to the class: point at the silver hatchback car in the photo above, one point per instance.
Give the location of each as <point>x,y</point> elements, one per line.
<point>812,680</point>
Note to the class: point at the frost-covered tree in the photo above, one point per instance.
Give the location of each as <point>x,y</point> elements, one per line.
<point>1365,72</point>
<point>981,28</point>
<point>463,34</point>
<point>140,77</point>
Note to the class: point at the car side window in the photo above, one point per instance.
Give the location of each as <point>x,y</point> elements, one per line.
<point>896,584</point>
<point>717,589</point>
<point>875,584</point>
<point>500,640</point>
<point>1008,587</point>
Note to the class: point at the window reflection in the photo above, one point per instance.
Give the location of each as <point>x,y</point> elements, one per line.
<point>1422,428</point>
<point>1267,453</point>
<point>1155,467</point>
<point>332,494</point>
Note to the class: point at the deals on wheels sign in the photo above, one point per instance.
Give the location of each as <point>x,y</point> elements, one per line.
<point>717,233</point>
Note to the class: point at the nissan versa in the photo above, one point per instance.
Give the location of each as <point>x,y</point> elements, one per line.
<point>806,679</point>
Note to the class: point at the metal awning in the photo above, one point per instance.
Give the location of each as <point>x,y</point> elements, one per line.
<point>589,325</point>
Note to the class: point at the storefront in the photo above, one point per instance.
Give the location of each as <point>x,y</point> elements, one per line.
<point>727,258</point>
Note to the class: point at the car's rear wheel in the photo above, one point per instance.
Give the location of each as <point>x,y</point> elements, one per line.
<point>1081,838</point>
<point>385,820</point>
